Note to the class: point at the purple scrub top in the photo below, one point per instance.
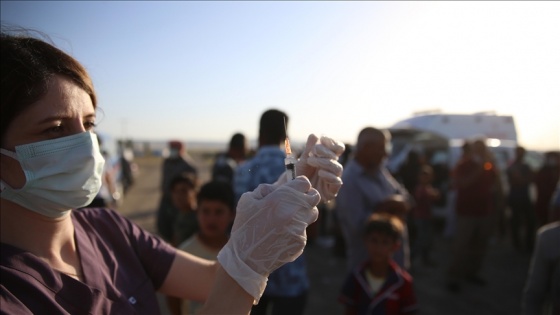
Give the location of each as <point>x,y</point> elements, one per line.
<point>123,267</point>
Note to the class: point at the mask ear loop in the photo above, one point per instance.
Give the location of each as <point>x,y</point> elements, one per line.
<point>9,153</point>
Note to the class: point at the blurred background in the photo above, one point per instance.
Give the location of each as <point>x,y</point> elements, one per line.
<point>434,73</point>
<point>201,71</point>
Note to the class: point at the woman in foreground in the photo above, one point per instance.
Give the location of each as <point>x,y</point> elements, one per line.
<point>55,259</point>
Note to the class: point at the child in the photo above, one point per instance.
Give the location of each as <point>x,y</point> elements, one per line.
<point>215,214</point>
<point>183,198</point>
<point>379,285</point>
<point>424,195</point>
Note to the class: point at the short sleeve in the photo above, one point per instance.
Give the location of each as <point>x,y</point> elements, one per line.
<point>127,243</point>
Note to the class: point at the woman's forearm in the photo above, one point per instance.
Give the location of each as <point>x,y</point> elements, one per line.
<point>226,296</point>
<point>194,278</point>
<point>189,277</point>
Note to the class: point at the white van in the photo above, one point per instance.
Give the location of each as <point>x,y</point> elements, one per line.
<point>441,136</point>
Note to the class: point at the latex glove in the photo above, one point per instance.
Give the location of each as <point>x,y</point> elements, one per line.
<point>319,162</point>
<point>268,231</point>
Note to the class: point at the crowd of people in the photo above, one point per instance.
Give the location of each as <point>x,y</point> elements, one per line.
<point>235,244</point>
<point>234,173</point>
<point>386,219</point>
<point>478,213</point>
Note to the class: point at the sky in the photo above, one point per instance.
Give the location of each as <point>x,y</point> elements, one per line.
<point>202,71</point>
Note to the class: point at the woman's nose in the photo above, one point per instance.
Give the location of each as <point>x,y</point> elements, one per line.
<point>77,126</point>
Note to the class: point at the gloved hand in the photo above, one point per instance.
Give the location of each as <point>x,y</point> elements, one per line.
<point>319,162</point>
<point>268,231</point>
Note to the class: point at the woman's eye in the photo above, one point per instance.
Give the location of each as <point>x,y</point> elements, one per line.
<point>89,125</point>
<point>55,129</point>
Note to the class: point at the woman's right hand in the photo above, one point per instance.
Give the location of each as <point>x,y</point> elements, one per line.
<point>268,231</point>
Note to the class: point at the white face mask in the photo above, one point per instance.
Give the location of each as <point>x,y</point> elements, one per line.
<point>61,174</point>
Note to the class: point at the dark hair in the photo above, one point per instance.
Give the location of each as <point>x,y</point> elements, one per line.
<point>369,134</point>
<point>28,64</point>
<point>237,141</point>
<point>185,177</point>
<point>175,144</point>
<point>217,190</point>
<point>413,157</point>
<point>520,151</point>
<point>272,127</point>
<point>385,224</point>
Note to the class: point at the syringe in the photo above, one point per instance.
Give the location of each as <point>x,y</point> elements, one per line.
<point>290,160</point>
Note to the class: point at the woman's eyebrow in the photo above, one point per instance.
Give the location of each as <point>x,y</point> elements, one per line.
<point>51,118</point>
